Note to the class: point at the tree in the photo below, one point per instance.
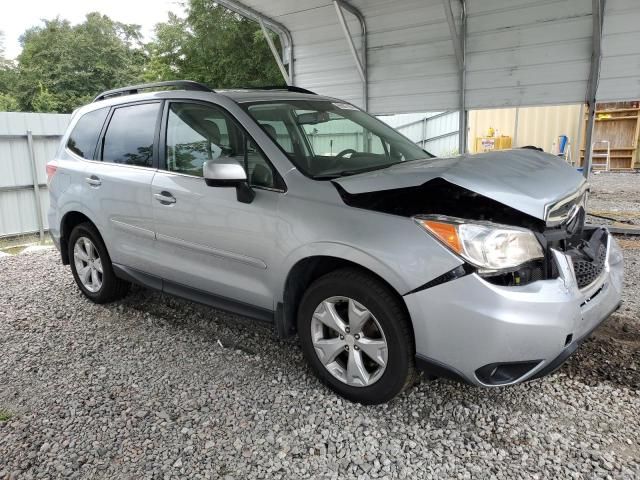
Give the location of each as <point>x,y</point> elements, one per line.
<point>62,66</point>
<point>45,101</point>
<point>1,46</point>
<point>212,45</point>
<point>8,102</point>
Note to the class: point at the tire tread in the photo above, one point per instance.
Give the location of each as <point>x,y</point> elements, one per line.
<point>114,288</point>
<point>387,296</point>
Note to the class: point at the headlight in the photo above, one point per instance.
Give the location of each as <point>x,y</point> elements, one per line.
<point>486,245</point>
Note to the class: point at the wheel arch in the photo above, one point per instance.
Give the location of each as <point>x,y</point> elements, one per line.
<point>69,221</point>
<point>305,271</point>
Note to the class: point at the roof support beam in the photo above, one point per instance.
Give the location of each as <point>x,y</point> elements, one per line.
<point>597,15</point>
<point>274,52</point>
<point>361,63</point>
<point>459,40</point>
<point>266,22</point>
<point>453,31</point>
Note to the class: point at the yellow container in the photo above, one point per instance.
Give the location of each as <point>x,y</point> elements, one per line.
<point>487,144</point>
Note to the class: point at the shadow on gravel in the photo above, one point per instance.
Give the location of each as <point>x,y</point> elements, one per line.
<point>611,354</point>
<point>226,329</point>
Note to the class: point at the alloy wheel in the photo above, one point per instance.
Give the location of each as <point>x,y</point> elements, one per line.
<point>349,341</point>
<point>88,264</point>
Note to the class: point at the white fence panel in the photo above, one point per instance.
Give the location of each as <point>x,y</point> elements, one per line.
<point>436,132</point>
<point>18,207</point>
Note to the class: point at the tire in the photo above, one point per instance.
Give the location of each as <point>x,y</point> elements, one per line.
<point>388,322</point>
<point>104,287</point>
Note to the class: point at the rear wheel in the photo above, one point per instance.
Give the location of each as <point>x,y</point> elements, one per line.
<point>91,266</point>
<point>356,335</point>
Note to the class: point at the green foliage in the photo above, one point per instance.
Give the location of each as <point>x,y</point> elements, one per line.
<point>63,66</point>
<point>212,45</point>
<point>1,46</point>
<point>7,80</point>
<point>45,101</point>
<point>8,103</point>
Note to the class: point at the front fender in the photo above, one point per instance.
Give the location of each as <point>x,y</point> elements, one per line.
<point>344,252</point>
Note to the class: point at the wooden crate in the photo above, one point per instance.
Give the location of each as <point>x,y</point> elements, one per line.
<point>619,123</point>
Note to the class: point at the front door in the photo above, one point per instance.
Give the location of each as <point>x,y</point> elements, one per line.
<point>209,240</point>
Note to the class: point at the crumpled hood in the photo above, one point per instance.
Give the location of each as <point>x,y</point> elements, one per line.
<point>526,180</point>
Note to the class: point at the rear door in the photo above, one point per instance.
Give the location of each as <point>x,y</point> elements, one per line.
<point>120,183</point>
<point>212,242</point>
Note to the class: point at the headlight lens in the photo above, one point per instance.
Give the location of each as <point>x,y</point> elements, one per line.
<point>486,245</point>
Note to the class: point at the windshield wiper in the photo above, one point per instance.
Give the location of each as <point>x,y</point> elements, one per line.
<point>347,173</point>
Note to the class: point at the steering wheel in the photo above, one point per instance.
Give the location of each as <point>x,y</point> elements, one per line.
<point>346,151</point>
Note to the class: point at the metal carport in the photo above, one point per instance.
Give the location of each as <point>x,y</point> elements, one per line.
<point>427,55</point>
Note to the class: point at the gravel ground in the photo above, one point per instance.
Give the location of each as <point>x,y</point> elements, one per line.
<point>615,197</point>
<point>154,387</point>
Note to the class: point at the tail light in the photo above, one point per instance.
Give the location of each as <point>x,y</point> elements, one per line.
<point>52,167</point>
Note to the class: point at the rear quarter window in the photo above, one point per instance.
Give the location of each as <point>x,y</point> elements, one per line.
<point>84,136</point>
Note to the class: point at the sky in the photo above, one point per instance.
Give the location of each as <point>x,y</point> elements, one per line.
<point>18,15</point>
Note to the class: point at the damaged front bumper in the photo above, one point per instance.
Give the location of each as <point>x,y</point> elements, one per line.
<point>489,335</point>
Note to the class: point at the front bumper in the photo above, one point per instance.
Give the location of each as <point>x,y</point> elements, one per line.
<point>469,328</point>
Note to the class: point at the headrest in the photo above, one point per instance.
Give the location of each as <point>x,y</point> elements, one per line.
<point>270,129</point>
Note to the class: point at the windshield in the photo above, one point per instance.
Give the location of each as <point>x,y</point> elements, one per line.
<point>332,139</point>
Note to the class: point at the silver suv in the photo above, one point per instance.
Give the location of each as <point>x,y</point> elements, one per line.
<point>305,212</point>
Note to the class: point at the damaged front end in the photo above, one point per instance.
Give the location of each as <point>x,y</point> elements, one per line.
<point>561,229</point>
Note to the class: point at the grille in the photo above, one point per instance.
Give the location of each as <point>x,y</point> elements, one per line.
<point>588,271</point>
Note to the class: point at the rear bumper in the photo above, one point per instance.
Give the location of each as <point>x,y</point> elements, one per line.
<point>54,230</point>
<point>490,335</point>
<point>55,238</point>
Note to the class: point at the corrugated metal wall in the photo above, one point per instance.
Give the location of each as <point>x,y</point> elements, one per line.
<point>411,59</point>
<point>18,213</point>
<point>539,126</point>
<point>527,52</point>
<point>436,132</point>
<point>520,52</point>
<point>321,53</point>
<point>619,78</point>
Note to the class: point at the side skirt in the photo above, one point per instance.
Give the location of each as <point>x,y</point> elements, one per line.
<point>193,294</point>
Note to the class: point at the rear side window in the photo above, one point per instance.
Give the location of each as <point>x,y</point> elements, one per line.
<point>130,135</point>
<point>84,136</point>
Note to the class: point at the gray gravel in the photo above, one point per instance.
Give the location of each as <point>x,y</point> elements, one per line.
<point>154,387</point>
<point>615,196</point>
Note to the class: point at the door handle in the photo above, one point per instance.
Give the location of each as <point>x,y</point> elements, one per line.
<point>94,181</point>
<point>165,198</point>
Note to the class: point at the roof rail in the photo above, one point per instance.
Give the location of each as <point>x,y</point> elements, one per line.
<point>289,88</point>
<point>133,89</point>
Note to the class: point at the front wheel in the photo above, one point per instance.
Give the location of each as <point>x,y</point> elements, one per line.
<point>91,266</point>
<point>356,335</point>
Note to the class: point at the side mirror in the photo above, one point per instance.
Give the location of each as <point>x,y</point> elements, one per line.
<point>227,172</point>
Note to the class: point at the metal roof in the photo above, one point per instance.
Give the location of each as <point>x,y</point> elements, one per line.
<point>520,52</point>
